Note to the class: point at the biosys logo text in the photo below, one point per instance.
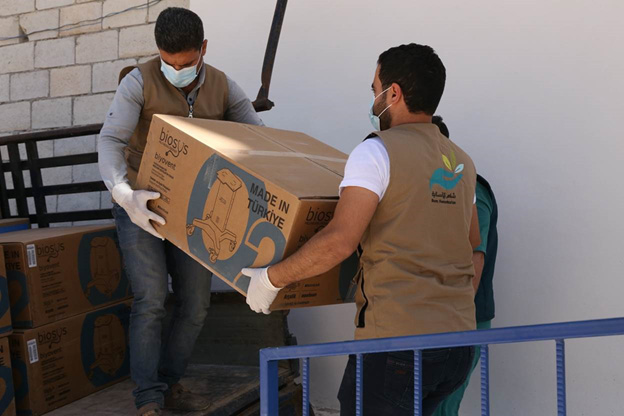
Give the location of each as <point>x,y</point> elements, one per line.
<point>51,337</point>
<point>50,251</point>
<point>174,146</point>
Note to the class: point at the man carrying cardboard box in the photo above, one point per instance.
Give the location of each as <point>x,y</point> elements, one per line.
<point>177,83</point>
<point>407,199</point>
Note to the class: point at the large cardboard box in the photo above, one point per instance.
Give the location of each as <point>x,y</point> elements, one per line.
<point>7,391</point>
<point>55,273</point>
<point>236,195</point>
<point>5,305</point>
<point>61,362</point>
<point>8,225</point>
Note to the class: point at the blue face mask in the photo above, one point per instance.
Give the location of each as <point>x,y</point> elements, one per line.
<point>181,78</point>
<point>373,118</point>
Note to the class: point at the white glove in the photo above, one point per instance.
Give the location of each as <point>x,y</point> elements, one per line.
<point>261,292</point>
<point>135,204</point>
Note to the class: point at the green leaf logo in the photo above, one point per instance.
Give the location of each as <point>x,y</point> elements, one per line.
<point>447,163</point>
<point>453,160</point>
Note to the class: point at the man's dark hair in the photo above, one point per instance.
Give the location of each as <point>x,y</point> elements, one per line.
<point>438,121</point>
<point>419,72</point>
<point>178,30</point>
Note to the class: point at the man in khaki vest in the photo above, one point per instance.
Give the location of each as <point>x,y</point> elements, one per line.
<point>177,83</point>
<point>407,199</point>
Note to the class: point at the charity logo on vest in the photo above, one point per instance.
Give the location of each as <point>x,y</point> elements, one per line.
<point>446,178</point>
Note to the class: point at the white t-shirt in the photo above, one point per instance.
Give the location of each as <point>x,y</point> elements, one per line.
<point>368,167</point>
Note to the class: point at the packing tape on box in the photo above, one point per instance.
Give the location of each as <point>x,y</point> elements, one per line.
<point>287,154</point>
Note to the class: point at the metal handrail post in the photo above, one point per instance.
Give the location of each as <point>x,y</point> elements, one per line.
<point>269,401</point>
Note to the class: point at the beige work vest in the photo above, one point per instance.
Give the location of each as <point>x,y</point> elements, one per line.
<point>416,264</point>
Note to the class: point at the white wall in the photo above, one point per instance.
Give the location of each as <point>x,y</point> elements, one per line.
<point>535,95</point>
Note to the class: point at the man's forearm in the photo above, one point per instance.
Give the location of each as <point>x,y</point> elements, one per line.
<point>321,253</point>
<point>121,121</point>
<point>111,161</point>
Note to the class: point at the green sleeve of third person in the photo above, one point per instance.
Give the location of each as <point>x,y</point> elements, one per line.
<point>484,211</point>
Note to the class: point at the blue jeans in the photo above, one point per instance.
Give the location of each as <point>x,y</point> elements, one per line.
<point>388,380</point>
<point>450,405</point>
<point>159,356</point>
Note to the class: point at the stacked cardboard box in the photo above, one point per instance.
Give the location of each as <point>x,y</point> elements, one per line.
<point>235,195</point>
<point>5,309</point>
<point>7,396</point>
<point>70,302</point>
<point>8,225</point>
<point>7,391</point>
<point>63,361</point>
<point>55,273</point>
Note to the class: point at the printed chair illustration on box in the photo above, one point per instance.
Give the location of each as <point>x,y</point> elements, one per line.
<point>109,344</point>
<point>103,278</point>
<point>215,223</point>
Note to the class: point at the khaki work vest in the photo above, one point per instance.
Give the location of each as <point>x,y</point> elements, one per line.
<point>160,97</point>
<point>416,263</point>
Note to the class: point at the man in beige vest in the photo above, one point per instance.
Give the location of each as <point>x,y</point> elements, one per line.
<point>178,82</point>
<point>407,200</point>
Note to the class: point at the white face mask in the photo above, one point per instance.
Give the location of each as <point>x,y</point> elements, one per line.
<point>373,118</point>
<point>181,78</point>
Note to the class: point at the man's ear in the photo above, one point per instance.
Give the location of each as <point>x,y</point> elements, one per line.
<point>204,47</point>
<point>396,94</point>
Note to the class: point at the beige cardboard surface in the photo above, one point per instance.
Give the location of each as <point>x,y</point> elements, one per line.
<point>7,390</point>
<point>8,225</point>
<point>61,362</point>
<point>54,273</point>
<point>236,196</point>
<point>5,305</point>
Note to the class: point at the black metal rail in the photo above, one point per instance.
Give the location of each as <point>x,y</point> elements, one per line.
<point>15,166</point>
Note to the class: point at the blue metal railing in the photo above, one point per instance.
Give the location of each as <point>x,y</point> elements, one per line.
<point>558,332</point>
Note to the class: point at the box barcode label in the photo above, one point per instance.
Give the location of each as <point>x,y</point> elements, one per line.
<point>33,352</point>
<point>31,252</point>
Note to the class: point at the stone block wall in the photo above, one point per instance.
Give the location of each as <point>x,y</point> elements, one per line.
<point>59,68</point>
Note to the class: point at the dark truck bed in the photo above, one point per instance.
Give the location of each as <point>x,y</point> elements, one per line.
<point>224,365</point>
<point>233,390</point>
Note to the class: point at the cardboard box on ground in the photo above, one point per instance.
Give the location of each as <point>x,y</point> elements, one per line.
<point>55,273</point>
<point>236,195</point>
<point>61,362</point>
